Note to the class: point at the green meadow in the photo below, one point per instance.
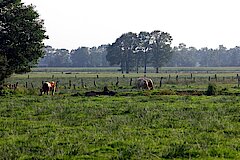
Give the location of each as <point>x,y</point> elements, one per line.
<point>176,120</point>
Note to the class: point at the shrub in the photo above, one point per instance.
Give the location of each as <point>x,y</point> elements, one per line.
<point>212,89</point>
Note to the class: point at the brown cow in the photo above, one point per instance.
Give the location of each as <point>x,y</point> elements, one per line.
<point>47,87</point>
<point>144,83</point>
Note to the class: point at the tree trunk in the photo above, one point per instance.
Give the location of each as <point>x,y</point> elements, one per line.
<point>145,62</point>
<point>137,65</point>
<point>122,66</point>
<point>127,63</point>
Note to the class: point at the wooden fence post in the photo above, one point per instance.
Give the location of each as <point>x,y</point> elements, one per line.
<point>82,83</point>
<point>57,84</point>
<point>117,82</point>
<point>160,85</point>
<point>70,83</point>
<point>131,81</point>
<point>32,85</point>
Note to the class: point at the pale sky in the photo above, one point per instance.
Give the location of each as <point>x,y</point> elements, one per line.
<point>199,23</point>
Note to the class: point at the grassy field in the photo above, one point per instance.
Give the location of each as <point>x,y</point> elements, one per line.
<point>175,121</point>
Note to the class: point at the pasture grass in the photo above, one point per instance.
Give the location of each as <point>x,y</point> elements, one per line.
<point>176,121</point>
<point>119,127</point>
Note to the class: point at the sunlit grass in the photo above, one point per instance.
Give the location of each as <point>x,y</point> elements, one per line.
<point>174,121</point>
<point>136,127</point>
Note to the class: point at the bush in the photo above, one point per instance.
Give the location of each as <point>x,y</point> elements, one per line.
<point>212,89</point>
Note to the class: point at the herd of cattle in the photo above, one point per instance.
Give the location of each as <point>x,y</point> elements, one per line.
<point>141,83</point>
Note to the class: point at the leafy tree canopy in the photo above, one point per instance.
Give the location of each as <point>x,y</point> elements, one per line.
<point>21,36</point>
<point>128,49</point>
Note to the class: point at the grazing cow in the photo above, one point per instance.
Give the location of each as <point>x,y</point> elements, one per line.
<point>47,87</point>
<point>150,83</point>
<point>144,83</point>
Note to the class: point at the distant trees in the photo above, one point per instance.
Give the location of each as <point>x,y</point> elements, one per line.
<point>81,57</point>
<point>183,56</point>
<point>55,57</point>
<point>141,55</point>
<point>129,49</point>
<point>21,36</point>
<point>204,57</point>
<point>98,56</point>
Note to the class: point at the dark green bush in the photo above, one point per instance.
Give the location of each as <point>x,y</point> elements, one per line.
<point>212,89</point>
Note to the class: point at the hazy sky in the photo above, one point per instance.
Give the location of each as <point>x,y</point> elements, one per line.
<point>200,23</point>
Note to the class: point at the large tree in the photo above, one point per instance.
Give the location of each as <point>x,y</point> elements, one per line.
<point>143,49</point>
<point>160,48</point>
<point>121,51</point>
<point>21,37</point>
<point>128,43</point>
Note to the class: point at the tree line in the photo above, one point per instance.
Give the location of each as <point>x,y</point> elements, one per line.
<point>205,57</point>
<point>81,57</point>
<point>131,51</point>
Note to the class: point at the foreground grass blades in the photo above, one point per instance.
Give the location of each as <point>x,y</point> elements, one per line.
<point>120,127</point>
